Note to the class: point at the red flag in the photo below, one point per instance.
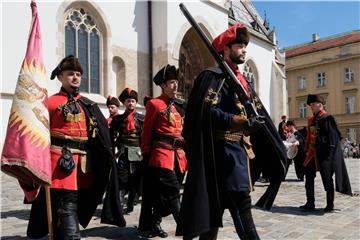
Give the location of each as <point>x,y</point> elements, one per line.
<point>26,152</point>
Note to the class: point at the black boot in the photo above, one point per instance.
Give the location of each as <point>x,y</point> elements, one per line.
<point>308,206</point>
<point>245,227</point>
<point>310,195</point>
<point>252,234</point>
<point>130,201</point>
<point>210,235</point>
<point>175,209</point>
<point>122,199</point>
<point>157,230</point>
<point>329,201</point>
<point>67,226</point>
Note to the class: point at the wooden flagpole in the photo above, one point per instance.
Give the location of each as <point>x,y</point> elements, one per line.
<point>49,213</point>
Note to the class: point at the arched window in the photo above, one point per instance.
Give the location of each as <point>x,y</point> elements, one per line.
<point>250,73</point>
<point>82,39</point>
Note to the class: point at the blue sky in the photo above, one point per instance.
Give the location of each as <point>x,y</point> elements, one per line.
<point>295,21</point>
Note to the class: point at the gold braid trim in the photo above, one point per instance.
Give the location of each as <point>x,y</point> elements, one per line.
<point>228,136</point>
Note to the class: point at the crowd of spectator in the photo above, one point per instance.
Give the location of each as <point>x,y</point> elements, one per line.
<point>351,150</point>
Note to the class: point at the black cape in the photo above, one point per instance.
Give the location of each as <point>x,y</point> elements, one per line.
<point>88,199</point>
<point>329,135</point>
<point>201,208</point>
<point>112,212</point>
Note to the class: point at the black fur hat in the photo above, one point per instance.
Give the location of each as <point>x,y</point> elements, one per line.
<point>128,93</point>
<point>311,98</point>
<point>112,101</point>
<point>68,63</point>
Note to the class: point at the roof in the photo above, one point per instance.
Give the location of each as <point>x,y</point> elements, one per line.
<point>333,41</point>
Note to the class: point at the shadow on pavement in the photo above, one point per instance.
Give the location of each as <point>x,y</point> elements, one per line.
<point>12,237</point>
<point>293,180</point>
<point>112,232</point>
<point>20,214</point>
<point>294,210</point>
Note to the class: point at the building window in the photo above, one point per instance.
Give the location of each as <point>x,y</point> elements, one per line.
<point>351,134</point>
<point>349,75</point>
<point>82,39</point>
<point>350,104</point>
<point>302,109</point>
<point>301,83</point>
<point>320,79</point>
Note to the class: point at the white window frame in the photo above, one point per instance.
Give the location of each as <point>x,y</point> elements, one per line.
<point>320,79</point>
<point>349,75</point>
<point>301,83</point>
<point>302,109</point>
<point>89,28</point>
<point>350,104</point>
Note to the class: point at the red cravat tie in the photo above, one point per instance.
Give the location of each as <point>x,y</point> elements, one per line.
<point>242,80</point>
<point>130,126</point>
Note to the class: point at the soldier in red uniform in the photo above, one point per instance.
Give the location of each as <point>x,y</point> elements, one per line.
<point>162,150</point>
<point>113,105</point>
<point>80,156</point>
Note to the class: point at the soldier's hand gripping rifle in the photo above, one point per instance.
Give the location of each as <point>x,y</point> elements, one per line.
<point>230,77</point>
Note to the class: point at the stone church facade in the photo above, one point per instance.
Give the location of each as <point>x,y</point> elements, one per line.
<point>124,43</point>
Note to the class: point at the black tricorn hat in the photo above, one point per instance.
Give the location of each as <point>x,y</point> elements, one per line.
<point>166,73</point>
<point>112,101</point>
<point>128,93</point>
<point>311,98</point>
<point>68,63</point>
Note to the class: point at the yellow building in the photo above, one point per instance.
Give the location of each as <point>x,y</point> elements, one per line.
<point>329,67</point>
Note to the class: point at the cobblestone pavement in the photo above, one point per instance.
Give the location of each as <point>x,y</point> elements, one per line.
<point>284,221</point>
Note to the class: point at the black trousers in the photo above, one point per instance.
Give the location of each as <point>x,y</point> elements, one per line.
<point>326,172</point>
<point>64,215</point>
<point>239,205</point>
<point>161,197</point>
<point>134,184</point>
<point>299,169</point>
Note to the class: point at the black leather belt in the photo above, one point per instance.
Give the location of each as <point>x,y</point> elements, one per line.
<point>130,142</point>
<point>175,142</point>
<point>80,145</point>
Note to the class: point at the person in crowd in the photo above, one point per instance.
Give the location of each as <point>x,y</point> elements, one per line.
<point>324,154</point>
<point>113,104</point>
<point>295,144</point>
<point>282,127</point>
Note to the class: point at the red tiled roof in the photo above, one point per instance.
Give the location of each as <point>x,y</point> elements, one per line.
<point>323,44</point>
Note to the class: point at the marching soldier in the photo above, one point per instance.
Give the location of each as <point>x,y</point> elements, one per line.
<point>113,105</point>
<point>80,158</point>
<point>162,150</point>
<point>324,154</point>
<point>125,131</point>
<point>217,131</point>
